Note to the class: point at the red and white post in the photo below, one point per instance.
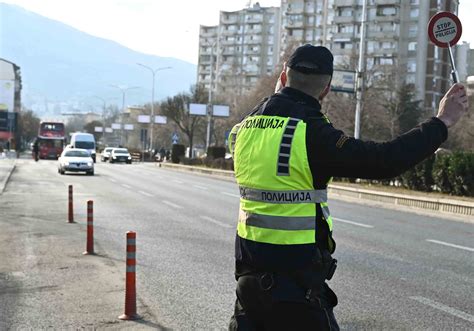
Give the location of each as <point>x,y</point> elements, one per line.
<point>70,208</point>
<point>90,228</point>
<point>130,281</point>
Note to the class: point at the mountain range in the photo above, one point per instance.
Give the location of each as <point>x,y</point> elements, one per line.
<point>63,69</point>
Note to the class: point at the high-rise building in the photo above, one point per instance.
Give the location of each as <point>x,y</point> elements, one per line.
<point>306,21</point>
<point>396,38</point>
<point>247,44</point>
<point>240,50</point>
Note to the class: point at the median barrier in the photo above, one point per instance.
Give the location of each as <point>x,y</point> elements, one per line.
<point>90,229</point>
<point>70,205</point>
<point>449,206</point>
<point>130,280</point>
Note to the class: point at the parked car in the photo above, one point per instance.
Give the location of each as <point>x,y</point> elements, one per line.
<point>120,155</point>
<point>105,155</point>
<point>76,160</point>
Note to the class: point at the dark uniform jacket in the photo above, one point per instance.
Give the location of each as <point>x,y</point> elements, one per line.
<point>331,153</point>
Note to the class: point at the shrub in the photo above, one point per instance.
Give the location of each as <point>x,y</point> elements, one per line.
<point>177,153</point>
<point>419,177</point>
<point>215,152</point>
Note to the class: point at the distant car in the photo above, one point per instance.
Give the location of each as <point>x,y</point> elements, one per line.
<point>76,160</point>
<point>104,157</point>
<point>120,155</point>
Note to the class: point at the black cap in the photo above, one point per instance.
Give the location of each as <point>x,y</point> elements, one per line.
<point>309,59</point>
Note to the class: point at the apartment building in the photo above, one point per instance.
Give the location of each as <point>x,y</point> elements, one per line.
<point>306,21</point>
<point>396,40</point>
<point>247,43</point>
<point>241,49</point>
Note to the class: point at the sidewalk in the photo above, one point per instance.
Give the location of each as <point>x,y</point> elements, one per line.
<point>7,166</point>
<point>46,283</point>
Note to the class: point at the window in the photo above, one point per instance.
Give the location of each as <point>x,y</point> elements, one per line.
<point>412,46</point>
<point>413,30</point>
<point>414,13</point>
<point>345,11</point>
<point>411,66</point>
<point>386,11</point>
<point>386,61</point>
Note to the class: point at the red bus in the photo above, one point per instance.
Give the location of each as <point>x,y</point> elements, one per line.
<point>51,136</point>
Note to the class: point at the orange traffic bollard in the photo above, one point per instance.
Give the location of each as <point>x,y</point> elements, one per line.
<point>130,285</point>
<point>70,210</point>
<point>90,228</point>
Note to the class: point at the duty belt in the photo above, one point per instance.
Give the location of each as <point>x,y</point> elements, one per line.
<point>284,197</point>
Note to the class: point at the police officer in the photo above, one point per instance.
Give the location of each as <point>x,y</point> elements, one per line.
<point>285,154</point>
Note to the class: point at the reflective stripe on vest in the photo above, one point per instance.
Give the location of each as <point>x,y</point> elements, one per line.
<point>291,196</point>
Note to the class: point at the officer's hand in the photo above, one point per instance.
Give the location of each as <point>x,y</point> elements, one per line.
<point>453,105</point>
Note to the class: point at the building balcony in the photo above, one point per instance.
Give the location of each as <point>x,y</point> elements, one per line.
<point>394,19</point>
<point>343,51</point>
<point>345,3</point>
<point>388,2</point>
<point>343,35</point>
<point>230,20</point>
<point>344,19</point>
<point>385,52</point>
<point>382,35</point>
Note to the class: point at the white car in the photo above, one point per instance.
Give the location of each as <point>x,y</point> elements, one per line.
<point>76,160</point>
<point>105,155</point>
<point>120,155</point>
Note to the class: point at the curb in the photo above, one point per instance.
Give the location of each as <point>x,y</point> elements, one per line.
<point>4,183</point>
<point>445,206</point>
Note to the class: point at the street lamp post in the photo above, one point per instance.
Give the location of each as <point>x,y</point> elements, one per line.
<point>123,90</point>
<point>103,117</point>
<point>152,117</point>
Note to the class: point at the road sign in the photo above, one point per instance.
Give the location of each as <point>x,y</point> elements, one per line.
<point>128,127</point>
<point>98,129</point>
<point>444,30</point>
<point>220,110</point>
<point>116,126</point>
<point>175,138</point>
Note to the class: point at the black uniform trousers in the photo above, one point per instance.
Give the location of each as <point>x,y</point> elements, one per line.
<point>275,302</point>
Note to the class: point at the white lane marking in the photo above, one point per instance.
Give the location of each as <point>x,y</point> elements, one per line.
<point>112,180</point>
<point>210,219</point>
<point>178,181</point>
<point>200,187</point>
<point>231,194</point>
<point>446,309</point>
<point>450,245</point>
<point>353,223</point>
<point>145,193</point>
<point>169,203</point>
<point>126,186</point>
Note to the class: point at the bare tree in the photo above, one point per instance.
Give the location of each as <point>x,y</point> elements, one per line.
<point>176,109</point>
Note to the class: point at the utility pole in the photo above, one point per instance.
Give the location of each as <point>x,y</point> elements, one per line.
<point>103,118</point>
<point>360,71</point>
<point>123,90</point>
<point>209,98</point>
<point>152,117</point>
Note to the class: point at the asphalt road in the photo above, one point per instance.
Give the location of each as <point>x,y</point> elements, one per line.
<point>397,270</point>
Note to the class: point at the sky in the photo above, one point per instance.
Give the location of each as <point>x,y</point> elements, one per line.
<point>163,27</point>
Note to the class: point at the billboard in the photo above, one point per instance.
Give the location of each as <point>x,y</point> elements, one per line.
<point>143,118</point>
<point>160,119</point>
<point>343,81</point>
<point>7,94</point>
<point>198,109</point>
<point>220,110</point>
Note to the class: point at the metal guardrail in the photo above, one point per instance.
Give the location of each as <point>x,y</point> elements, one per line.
<point>443,205</point>
<point>452,206</point>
